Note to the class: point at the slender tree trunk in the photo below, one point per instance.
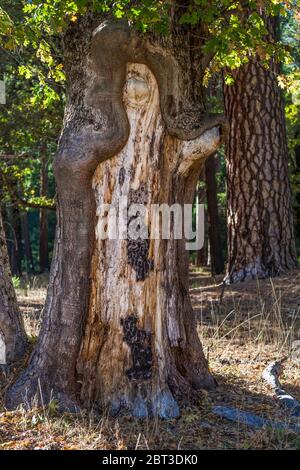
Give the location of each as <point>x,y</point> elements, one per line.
<point>27,243</point>
<point>43,242</point>
<point>12,333</point>
<point>217,261</point>
<point>201,255</point>
<point>118,328</point>
<point>260,223</point>
<point>15,243</point>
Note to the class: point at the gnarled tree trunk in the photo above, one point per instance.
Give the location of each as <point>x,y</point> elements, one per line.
<point>12,333</point>
<point>118,327</point>
<point>260,222</point>
<point>140,301</point>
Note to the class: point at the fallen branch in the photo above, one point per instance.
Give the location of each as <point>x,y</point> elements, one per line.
<point>252,420</point>
<point>271,375</point>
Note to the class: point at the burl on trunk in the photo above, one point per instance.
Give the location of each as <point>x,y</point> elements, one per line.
<point>118,329</point>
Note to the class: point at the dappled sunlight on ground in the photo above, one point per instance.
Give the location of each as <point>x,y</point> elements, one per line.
<point>243,328</point>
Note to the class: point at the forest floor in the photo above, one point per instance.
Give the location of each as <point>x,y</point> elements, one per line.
<point>243,328</point>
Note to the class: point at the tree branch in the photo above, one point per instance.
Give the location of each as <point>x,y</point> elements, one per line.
<point>22,156</point>
<point>23,202</point>
<point>207,143</point>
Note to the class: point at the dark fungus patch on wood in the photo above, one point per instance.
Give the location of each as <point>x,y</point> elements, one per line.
<point>138,248</point>
<point>139,342</point>
<point>121,176</point>
<point>137,255</point>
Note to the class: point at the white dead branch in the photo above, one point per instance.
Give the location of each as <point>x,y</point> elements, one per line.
<point>271,376</point>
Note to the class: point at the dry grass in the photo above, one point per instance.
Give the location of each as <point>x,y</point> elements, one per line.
<point>253,324</point>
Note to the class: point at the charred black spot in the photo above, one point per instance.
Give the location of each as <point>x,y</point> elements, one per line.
<point>121,176</point>
<point>138,196</point>
<point>138,249</point>
<point>137,255</point>
<point>139,342</point>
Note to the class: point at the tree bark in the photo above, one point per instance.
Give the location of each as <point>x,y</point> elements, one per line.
<point>260,223</point>
<point>118,327</point>
<point>43,222</point>
<point>217,261</point>
<point>12,333</point>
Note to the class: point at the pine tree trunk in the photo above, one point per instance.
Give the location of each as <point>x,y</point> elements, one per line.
<point>217,261</point>
<point>118,327</point>
<point>12,333</point>
<point>260,223</point>
<point>43,225</point>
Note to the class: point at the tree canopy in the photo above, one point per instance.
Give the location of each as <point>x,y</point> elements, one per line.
<point>230,34</point>
<point>32,66</point>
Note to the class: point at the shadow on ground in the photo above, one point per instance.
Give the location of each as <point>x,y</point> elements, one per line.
<point>254,324</point>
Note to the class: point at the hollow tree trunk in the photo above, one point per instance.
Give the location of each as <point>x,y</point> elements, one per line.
<point>260,223</point>
<point>43,222</point>
<point>12,333</point>
<point>217,261</point>
<point>140,295</point>
<point>118,327</point>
